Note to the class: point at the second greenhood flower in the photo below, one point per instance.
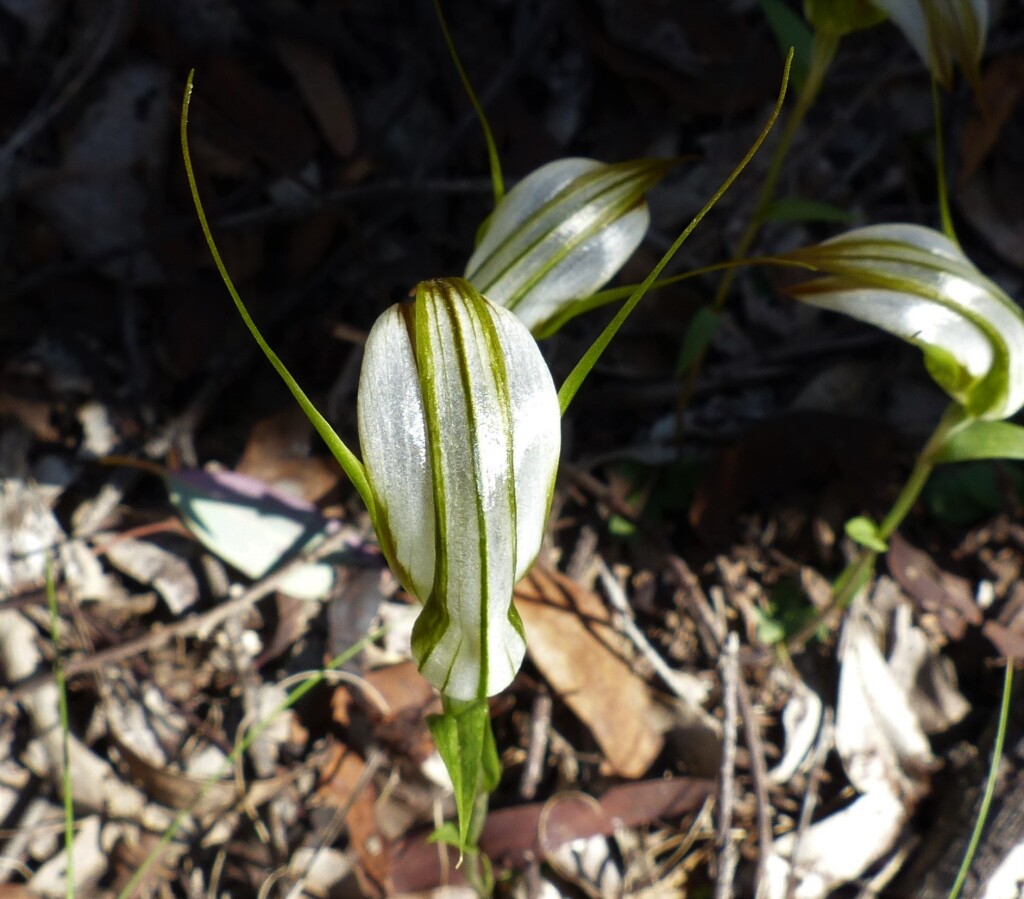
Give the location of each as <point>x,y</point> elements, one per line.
<point>942,32</point>
<point>917,284</point>
<point>460,432</point>
<point>562,233</point>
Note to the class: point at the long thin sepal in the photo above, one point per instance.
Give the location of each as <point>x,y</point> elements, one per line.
<point>583,368</point>
<point>346,458</point>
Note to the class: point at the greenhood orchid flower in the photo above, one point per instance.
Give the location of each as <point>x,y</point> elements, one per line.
<point>460,433</point>
<point>562,233</point>
<point>942,32</point>
<point>917,284</point>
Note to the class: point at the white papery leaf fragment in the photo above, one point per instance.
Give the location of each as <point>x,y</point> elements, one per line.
<point>917,284</point>
<point>562,233</point>
<point>460,431</point>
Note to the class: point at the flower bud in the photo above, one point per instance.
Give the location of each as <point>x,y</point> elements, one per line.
<point>460,432</point>
<point>917,284</point>
<point>562,233</point>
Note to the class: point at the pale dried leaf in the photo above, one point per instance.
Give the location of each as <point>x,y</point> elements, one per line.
<point>878,735</point>
<point>928,678</point>
<point>837,849</point>
<point>321,870</point>
<point>801,719</point>
<point>90,854</point>
<point>1005,882</point>
<point>157,567</point>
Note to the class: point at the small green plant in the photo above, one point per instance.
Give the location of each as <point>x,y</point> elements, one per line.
<point>459,430</point>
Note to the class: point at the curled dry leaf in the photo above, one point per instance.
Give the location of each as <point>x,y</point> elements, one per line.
<point>573,643</point>
<point>155,566</point>
<point>801,719</point>
<point>837,849</point>
<point>878,734</point>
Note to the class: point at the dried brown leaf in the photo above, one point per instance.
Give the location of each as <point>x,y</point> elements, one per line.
<point>343,786</point>
<point>573,643</point>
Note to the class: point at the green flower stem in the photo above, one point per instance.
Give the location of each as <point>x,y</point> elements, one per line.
<point>862,566</point>
<point>65,730</point>
<point>940,167</point>
<point>823,49</point>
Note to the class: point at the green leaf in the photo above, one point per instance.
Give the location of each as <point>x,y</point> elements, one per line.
<point>790,31</point>
<point>983,440</point>
<point>964,495</point>
<point>447,834</point>
<point>699,334</point>
<point>864,531</point>
<point>798,209</point>
<point>841,17</point>
<point>466,744</point>
<point>787,613</point>
<point>346,458</point>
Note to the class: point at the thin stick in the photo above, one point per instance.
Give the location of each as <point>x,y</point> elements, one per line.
<point>536,751</point>
<point>617,597</point>
<point>712,638</point>
<point>821,748</point>
<point>759,772</point>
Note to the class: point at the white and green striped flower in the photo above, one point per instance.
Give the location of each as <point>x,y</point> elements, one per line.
<point>943,32</point>
<point>917,284</point>
<point>460,432</point>
<point>562,233</point>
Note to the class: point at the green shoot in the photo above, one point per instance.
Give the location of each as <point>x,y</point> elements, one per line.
<point>586,364</point>
<point>65,729</point>
<point>492,150</point>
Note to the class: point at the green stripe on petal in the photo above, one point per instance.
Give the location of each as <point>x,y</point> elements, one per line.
<point>562,233</point>
<point>917,284</point>
<point>482,435</point>
<point>942,32</point>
